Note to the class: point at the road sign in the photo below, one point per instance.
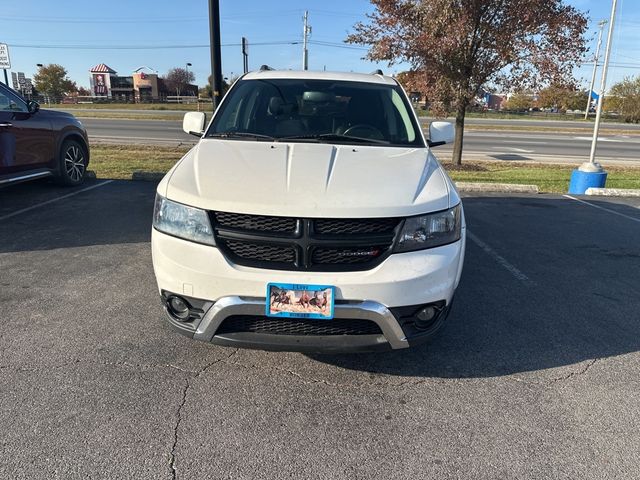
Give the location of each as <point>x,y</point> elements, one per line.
<point>4,57</point>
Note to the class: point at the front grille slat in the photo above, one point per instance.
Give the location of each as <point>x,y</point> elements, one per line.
<point>268,253</point>
<point>256,223</point>
<point>340,226</point>
<point>297,326</point>
<point>288,243</point>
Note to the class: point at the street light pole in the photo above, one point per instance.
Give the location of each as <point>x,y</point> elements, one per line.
<point>601,24</point>
<point>188,64</point>
<point>216,60</point>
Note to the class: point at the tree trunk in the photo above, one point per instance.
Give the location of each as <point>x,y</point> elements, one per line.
<point>457,143</point>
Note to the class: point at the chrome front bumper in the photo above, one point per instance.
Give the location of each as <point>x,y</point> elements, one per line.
<point>392,334</point>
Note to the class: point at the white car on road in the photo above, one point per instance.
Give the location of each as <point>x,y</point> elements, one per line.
<point>311,216</point>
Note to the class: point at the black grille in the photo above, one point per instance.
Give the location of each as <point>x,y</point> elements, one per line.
<point>297,326</point>
<point>257,223</point>
<point>267,253</point>
<point>287,243</point>
<point>345,256</point>
<point>341,226</point>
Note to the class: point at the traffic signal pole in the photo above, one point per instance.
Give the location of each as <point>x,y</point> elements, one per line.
<point>216,55</point>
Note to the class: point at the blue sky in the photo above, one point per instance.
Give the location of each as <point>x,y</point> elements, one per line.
<point>68,25</point>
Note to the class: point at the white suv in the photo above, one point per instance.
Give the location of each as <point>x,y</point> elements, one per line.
<point>311,216</point>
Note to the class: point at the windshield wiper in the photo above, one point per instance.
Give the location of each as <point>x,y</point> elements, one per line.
<point>255,136</point>
<point>333,137</point>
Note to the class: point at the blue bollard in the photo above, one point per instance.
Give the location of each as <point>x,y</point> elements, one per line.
<point>580,181</point>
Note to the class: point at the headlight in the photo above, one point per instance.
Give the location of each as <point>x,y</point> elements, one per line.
<point>430,231</point>
<point>182,221</point>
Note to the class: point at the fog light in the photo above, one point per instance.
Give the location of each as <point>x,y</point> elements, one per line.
<point>179,308</point>
<point>426,314</point>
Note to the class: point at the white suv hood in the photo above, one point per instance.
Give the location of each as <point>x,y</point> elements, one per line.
<point>309,179</point>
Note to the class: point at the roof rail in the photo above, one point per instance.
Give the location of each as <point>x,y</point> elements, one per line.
<point>377,72</point>
<point>265,68</point>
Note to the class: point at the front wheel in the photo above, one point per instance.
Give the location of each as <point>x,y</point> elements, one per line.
<point>72,163</point>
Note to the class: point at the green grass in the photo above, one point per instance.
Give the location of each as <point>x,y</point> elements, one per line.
<point>120,161</point>
<point>550,178</point>
<point>186,107</point>
<point>125,115</point>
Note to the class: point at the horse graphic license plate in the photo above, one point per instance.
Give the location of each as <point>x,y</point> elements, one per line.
<point>300,301</point>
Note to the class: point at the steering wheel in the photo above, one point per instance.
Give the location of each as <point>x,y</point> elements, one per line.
<point>364,131</point>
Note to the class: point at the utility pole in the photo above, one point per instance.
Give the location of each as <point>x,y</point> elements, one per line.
<point>591,174</point>
<point>603,86</point>
<point>245,54</point>
<point>305,33</point>
<point>216,55</point>
<point>601,24</point>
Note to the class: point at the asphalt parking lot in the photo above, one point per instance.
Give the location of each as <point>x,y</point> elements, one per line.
<point>535,375</point>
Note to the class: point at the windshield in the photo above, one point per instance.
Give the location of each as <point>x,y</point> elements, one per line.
<point>316,111</point>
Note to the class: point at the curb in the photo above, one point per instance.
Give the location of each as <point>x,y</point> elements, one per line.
<point>469,187</point>
<point>147,176</point>
<point>613,192</point>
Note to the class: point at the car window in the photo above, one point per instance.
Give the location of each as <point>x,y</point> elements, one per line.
<point>9,103</point>
<point>317,109</point>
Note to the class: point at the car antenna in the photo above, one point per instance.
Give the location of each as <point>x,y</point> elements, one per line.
<point>265,68</point>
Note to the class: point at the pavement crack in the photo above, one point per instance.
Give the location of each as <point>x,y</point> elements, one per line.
<point>15,368</point>
<point>176,426</point>
<point>187,385</point>
<point>316,381</point>
<point>577,373</point>
<point>563,378</point>
<point>220,360</point>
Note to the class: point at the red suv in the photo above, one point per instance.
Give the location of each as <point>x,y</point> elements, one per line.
<point>38,143</point>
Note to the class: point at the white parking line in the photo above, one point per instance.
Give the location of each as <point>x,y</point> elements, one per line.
<point>499,258</point>
<point>603,208</point>
<point>48,202</point>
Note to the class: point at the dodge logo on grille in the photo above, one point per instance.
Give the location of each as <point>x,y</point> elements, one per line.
<point>374,252</point>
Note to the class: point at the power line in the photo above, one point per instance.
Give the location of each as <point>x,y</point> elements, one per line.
<point>337,45</point>
<point>149,47</point>
<point>113,20</point>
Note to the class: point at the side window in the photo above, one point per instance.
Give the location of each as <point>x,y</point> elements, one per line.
<point>404,115</point>
<point>9,103</point>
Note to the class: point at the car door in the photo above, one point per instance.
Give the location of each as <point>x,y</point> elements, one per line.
<point>26,139</point>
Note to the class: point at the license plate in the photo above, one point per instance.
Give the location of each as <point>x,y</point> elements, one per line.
<point>300,301</point>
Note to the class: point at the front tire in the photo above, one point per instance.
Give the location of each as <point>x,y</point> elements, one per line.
<point>72,163</point>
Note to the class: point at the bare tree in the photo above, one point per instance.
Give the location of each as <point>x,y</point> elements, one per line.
<point>178,79</point>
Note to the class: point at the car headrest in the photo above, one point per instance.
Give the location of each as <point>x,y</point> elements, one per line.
<point>277,106</point>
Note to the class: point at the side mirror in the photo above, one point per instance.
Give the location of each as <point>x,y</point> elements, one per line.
<point>441,133</point>
<point>193,123</point>
<point>32,106</point>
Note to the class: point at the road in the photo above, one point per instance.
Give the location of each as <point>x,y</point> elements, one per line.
<point>534,376</point>
<point>521,122</point>
<point>488,145</point>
